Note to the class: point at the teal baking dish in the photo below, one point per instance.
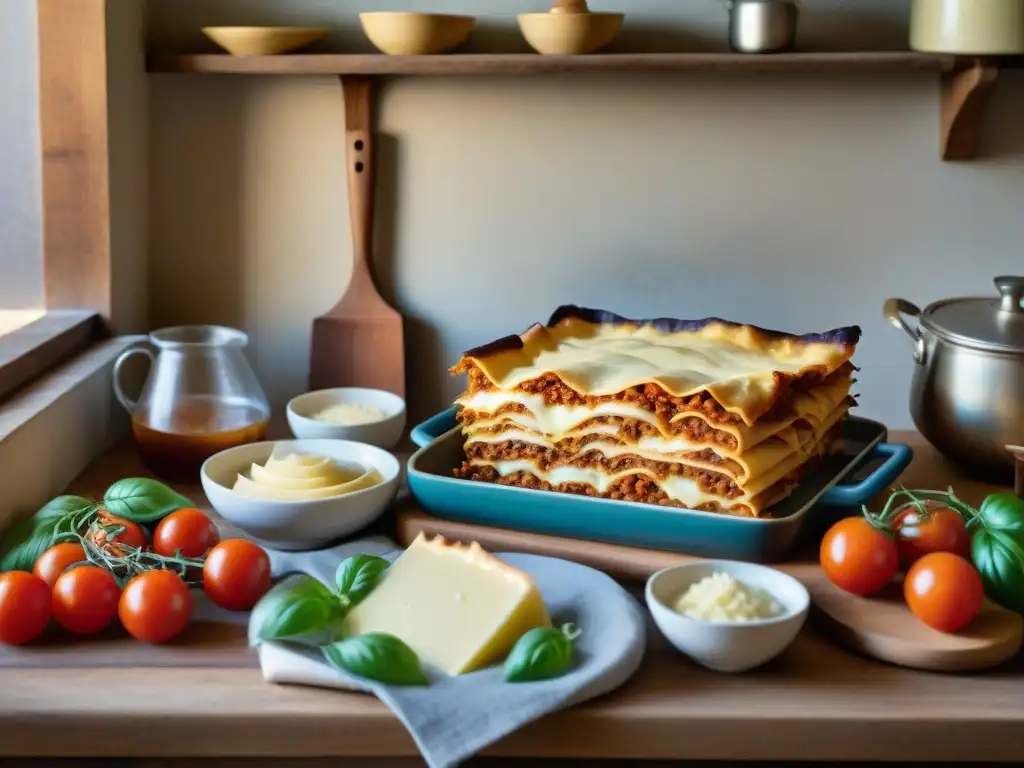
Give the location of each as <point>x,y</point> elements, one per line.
<point>866,468</point>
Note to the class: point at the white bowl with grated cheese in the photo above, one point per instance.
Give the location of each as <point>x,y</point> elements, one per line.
<point>371,416</point>
<point>726,615</point>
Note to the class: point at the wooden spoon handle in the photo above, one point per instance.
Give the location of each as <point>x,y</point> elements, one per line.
<point>359,159</point>
<point>569,6</point>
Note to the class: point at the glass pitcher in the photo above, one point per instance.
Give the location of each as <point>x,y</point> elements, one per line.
<point>199,398</point>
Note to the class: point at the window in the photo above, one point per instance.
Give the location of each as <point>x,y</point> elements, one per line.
<point>21,225</point>
<point>55,272</point>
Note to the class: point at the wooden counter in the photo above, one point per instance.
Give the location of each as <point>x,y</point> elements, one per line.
<point>114,697</point>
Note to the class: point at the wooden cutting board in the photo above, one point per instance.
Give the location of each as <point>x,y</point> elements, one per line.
<point>359,342</point>
<point>880,626</point>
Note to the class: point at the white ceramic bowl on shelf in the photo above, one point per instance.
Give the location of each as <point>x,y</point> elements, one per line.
<point>300,525</point>
<point>385,432</point>
<point>728,646</point>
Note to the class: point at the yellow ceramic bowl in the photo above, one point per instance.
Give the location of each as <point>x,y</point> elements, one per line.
<point>569,33</point>
<point>415,34</point>
<point>263,41</point>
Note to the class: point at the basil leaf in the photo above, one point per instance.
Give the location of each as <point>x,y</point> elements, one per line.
<point>1003,512</point>
<point>1000,563</point>
<point>22,545</point>
<point>541,654</point>
<point>142,500</point>
<point>299,609</point>
<point>358,575</point>
<point>377,656</point>
<point>64,506</point>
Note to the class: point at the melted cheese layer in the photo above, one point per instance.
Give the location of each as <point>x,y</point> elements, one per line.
<point>557,422</point>
<point>683,490</point>
<point>737,366</point>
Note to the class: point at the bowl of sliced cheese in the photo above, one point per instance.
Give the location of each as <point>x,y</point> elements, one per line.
<point>726,615</point>
<point>301,494</point>
<point>365,415</point>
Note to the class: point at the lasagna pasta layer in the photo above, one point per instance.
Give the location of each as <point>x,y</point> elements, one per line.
<point>690,485</point>
<point>644,487</point>
<point>491,412</point>
<point>743,369</point>
<point>613,452</point>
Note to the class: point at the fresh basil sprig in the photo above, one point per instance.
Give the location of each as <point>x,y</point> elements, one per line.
<point>142,500</point>
<point>377,656</point>
<point>541,654</point>
<point>299,609</point>
<point>357,576</point>
<point>28,539</point>
<point>306,611</point>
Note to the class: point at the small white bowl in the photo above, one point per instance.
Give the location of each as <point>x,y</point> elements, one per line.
<point>299,525</point>
<point>384,433</point>
<point>728,646</point>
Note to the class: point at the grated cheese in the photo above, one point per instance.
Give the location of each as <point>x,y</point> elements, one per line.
<point>349,414</point>
<point>720,597</point>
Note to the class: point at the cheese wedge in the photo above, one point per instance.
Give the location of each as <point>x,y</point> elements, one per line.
<point>458,607</point>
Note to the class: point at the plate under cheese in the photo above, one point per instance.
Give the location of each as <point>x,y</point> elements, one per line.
<point>458,607</point>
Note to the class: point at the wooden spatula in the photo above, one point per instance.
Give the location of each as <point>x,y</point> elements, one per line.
<point>359,342</point>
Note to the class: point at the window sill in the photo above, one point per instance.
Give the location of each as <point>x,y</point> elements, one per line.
<point>27,350</point>
<point>53,428</point>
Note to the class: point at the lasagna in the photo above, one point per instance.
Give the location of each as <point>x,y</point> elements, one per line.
<point>706,415</point>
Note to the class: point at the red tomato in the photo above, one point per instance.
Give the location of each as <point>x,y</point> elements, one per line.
<point>942,530</point>
<point>188,531</point>
<point>858,557</point>
<point>132,535</point>
<point>236,574</point>
<point>54,561</point>
<point>944,591</point>
<point>155,606</point>
<point>85,599</point>
<point>24,607</point>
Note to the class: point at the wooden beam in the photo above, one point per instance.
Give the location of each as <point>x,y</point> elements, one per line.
<point>75,159</point>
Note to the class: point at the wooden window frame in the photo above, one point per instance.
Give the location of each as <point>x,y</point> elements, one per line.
<point>74,144</point>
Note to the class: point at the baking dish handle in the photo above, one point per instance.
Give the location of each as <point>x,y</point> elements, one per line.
<point>895,458</point>
<point>431,429</point>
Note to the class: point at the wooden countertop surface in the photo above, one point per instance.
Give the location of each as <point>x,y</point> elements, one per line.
<point>114,697</point>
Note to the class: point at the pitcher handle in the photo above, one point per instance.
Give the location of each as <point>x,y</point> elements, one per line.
<point>127,402</point>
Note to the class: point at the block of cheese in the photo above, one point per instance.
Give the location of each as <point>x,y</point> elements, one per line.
<point>458,607</point>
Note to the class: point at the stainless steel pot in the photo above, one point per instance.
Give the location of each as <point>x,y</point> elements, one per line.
<point>967,397</point>
<point>762,26</point>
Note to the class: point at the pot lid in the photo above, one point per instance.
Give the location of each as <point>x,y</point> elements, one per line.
<point>989,323</point>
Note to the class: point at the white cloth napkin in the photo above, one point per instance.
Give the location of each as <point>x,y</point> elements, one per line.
<point>455,717</point>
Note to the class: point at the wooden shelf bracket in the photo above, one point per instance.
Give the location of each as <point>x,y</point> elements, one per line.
<point>965,96</point>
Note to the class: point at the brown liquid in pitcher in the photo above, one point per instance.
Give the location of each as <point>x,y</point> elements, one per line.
<point>198,428</point>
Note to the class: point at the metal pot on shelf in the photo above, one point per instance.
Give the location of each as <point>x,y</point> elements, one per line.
<point>762,26</point>
<point>967,396</point>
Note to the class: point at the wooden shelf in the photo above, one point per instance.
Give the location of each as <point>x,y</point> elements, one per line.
<point>966,82</point>
<point>533,64</point>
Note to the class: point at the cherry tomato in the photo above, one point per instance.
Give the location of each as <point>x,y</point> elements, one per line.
<point>236,574</point>
<point>858,557</point>
<point>85,599</point>
<point>941,530</point>
<point>944,591</point>
<point>188,531</point>
<point>155,606</point>
<point>54,561</point>
<point>132,535</point>
<point>24,607</point>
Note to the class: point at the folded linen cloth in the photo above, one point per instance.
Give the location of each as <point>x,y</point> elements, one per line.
<point>455,717</point>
